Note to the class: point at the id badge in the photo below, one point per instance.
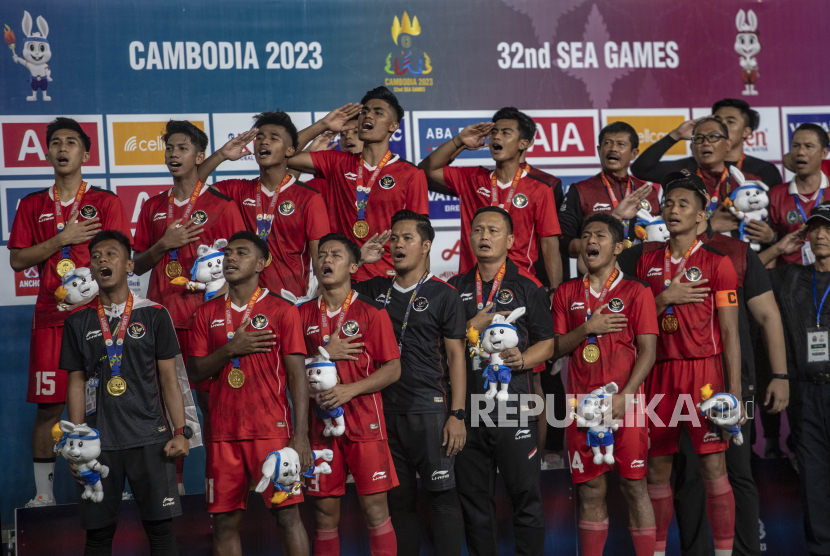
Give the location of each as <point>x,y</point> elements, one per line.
<point>90,397</point>
<point>817,345</point>
<point>476,362</point>
<point>807,257</point>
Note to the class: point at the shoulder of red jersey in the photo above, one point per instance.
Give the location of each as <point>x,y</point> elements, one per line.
<point>37,193</point>
<point>634,281</point>
<point>216,303</point>
<point>713,250</point>
<point>587,182</point>
<point>548,179</point>
<point>305,185</point>
<point>525,274</point>
<point>278,298</point>
<point>372,306</point>
<point>216,193</point>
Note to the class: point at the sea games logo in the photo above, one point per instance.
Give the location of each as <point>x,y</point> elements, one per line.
<point>407,69</point>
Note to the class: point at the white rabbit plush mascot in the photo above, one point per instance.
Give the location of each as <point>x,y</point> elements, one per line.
<point>311,292</point>
<point>80,445</point>
<point>36,53</point>
<point>322,376</point>
<point>724,411</point>
<point>282,469</point>
<point>76,286</point>
<point>748,46</point>
<point>207,272</point>
<point>593,407</point>
<point>650,228</point>
<point>749,201</point>
<point>496,338</point>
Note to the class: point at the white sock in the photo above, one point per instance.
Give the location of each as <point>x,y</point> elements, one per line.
<point>44,477</point>
<point>659,554</point>
<point>723,553</point>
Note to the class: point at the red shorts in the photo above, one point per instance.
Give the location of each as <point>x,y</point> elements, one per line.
<point>680,381</point>
<point>47,383</point>
<point>184,336</point>
<point>630,447</point>
<point>370,463</point>
<point>233,469</point>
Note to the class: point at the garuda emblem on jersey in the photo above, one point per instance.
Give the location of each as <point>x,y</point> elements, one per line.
<point>505,297</point>
<point>693,274</point>
<point>200,217</point>
<point>136,330</point>
<point>616,305</point>
<point>792,217</point>
<point>420,304</point>
<point>259,321</point>
<point>287,208</point>
<point>520,200</point>
<point>387,182</point>
<point>88,211</point>
<point>350,328</point>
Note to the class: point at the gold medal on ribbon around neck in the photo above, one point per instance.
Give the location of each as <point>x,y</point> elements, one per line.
<point>64,267</point>
<point>116,386</point>
<point>590,353</point>
<point>173,269</point>
<point>236,378</point>
<point>627,243</point>
<point>360,229</point>
<point>670,324</point>
<point>269,261</point>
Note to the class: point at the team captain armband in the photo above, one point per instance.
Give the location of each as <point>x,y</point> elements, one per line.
<point>727,298</point>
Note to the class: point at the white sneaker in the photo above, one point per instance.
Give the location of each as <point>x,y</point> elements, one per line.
<point>39,501</point>
<point>350,478</point>
<point>552,461</point>
<point>126,496</point>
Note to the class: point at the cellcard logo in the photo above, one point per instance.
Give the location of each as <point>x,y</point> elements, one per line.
<point>652,125</point>
<point>131,144</point>
<point>135,141</point>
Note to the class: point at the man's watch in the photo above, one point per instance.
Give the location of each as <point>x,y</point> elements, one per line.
<point>459,414</point>
<point>782,376</point>
<point>185,431</point>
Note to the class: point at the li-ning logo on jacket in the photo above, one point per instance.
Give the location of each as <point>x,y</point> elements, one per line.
<point>577,305</point>
<point>654,271</point>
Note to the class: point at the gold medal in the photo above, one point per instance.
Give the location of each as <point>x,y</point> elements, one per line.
<point>270,260</point>
<point>64,266</point>
<point>116,386</point>
<point>670,324</point>
<point>360,229</point>
<point>173,269</point>
<point>590,353</point>
<point>626,243</point>
<point>236,378</point>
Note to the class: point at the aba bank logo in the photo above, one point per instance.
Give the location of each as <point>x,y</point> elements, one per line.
<point>432,129</point>
<point>410,64</point>
<point>36,52</point>
<point>444,206</point>
<point>791,118</point>
<point>136,144</point>
<point>24,144</point>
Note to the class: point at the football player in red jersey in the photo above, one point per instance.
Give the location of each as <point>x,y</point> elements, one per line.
<point>251,340</point>
<point>51,230</point>
<point>394,183</point>
<point>607,322</point>
<point>288,214</point>
<point>693,284</point>
<point>336,321</point>
<point>529,200</point>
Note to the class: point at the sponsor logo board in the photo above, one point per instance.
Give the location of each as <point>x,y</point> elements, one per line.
<point>764,142</point>
<point>652,125</point>
<point>135,140</point>
<point>227,126</point>
<point>400,143</point>
<point>792,117</point>
<point>134,192</point>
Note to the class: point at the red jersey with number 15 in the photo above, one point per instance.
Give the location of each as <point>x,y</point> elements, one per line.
<point>363,414</point>
<point>698,333</point>
<point>407,189</point>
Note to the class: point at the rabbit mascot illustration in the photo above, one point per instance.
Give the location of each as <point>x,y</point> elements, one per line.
<point>207,272</point>
<point>749,201</point>
<point>282,469</point>
<point>650,228</point>
<point>80,445</point>
<point>496,338</point>
<point>724,411</point>
<point>748,46</point>
<point>322,376</point>
<point>36,53</point>
<point>593,407</point>
<point>76,286</point>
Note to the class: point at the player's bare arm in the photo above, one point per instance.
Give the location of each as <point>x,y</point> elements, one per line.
<point>728,317</point>
<point>298,387</point>
<point>335,121</point>
<point>174,237</point>
<point>388,373</point>
<point>600,323</point>
<point>484,317</point>
<point>471,137</point>
<point>535,355</point>
<point>75,408</point>
<point>646,354</point>
<point>765,312</point>
<point>679,293</point>
<point>553,261</point>
<point>790,243</point>
<point>234,149</point>
<point>244,342</point>
<point>455,431</point>
<point>178,446</point>
<point>73,234</point>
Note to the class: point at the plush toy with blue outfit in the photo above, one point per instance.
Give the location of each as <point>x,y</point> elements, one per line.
<point>322,376</point>
<point>282,469</point>
<point>748,202</point>
<point>724,411</point>
<point>80,445</point>
<point>207,273</point>
<point>496,338</point>
<point>600,435</point>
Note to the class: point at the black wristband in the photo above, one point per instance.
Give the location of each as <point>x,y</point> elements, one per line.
<point>782,376</point>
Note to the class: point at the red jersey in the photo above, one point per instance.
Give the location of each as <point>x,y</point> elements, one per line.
<point>299,217</point>
<point>532,208</point>
<point>363,414</point>
<point>720,183</point>
<point>698,335</point>
<point>784,216</point>
<point>259,409</point>
<point>825,167</point>
<point>35,223</point>
<point>618,351</point>
<point>222,221</point>
<point>399,185</point>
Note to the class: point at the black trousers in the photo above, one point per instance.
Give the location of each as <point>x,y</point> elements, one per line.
<point>552,386</point>
<point>690,499</point>
<point>809,417</point>
<point>514,452</point>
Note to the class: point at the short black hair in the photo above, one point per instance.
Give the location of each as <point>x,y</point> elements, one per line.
<point>501,212</point>
<point>621,127</point>
<point>351,247</point>
<point>751,117</point>
<point>527,127</point>
<point>280,118</point>
<point>424,226</point>
<point>105,235</point>
<point>818,130</point>
<point>387,96</point>
<point>722,125</point>
<point>258,242</point>
<point>196,135</point>
<point>683,179</point>
<point>67,123</point>
<point>615,226</point>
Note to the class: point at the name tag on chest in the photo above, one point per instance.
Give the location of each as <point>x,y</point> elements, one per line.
<point>817,345</point>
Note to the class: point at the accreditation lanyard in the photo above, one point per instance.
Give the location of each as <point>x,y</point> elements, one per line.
<point>592,338</point>
<point>115,349</point>
<point>229,331</point>
<point>815,298</point>
<point>60,223</point>
<point>496,284</point>
<point>667,278</point>
<point>265,221</point>
<point>723,177</point>
<point>364,190</point>
<point>740,163</point>
<point>408,307</point>
<point>801,209</point>
<point>494,189</point>
<point>188,209</point>
<point>613,197</point>
<point>324,317</point>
